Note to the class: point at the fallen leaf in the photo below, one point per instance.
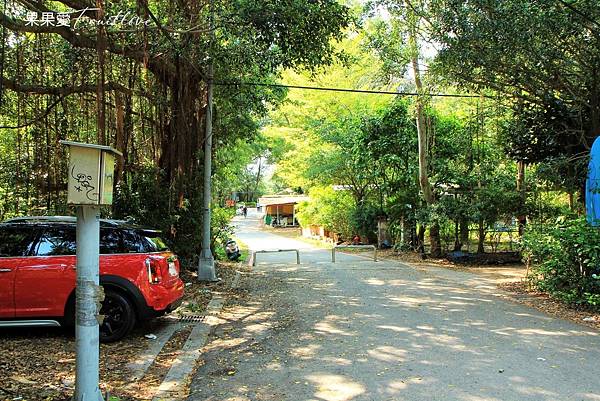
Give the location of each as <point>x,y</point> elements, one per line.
<point>22,380</point>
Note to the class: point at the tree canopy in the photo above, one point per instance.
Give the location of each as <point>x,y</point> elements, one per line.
<point>80,70</point>
<point>540,57</point>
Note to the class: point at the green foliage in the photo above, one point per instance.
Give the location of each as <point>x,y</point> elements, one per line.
<point>364,221</point>
<point>154,102</point>
<point>291,34</point>
<point>542,58</point>
<point>143,200</point>
<point>498,200</point>
<point>331,209</point>
<point>565,260</point>
<point>221,228</point>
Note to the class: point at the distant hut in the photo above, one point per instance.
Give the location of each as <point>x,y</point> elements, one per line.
<point>280,210</point>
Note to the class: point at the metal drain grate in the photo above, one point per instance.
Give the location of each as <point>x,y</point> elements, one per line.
<point>191,318</point>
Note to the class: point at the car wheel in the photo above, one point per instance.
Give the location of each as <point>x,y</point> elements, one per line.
<point>119,316</point>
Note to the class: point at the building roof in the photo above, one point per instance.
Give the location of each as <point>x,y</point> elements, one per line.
<point>281,199</point>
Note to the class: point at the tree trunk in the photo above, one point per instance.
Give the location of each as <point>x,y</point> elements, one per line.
<point>407,239</point>
<point>457,243</point>
<point>180,137</point>
<point>120,136</point>
<point>521,219</point>
<point>258,176</point>
<point>434,241</point>
<point>464,233</point>
<point>422,134</point>
<point>100,103</point>
<point>481,241</point>
<point>421,240</point>
<point>571,202</point>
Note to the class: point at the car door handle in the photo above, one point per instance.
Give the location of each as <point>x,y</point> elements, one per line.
<point>5,270</point>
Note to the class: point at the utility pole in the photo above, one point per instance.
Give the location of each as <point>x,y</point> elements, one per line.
<point>90,185</point>
<point>88,297</point>
<point>206,263</point>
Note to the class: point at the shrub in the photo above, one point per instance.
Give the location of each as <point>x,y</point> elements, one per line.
<point>565,259</point>
<point>221,228</point>
<point>364,221</point>
<point>331,209</point>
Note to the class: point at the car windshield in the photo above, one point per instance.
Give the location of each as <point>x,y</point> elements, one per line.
<point>153,238</point>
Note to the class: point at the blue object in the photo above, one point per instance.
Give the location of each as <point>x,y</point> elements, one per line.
<point>592,186</point>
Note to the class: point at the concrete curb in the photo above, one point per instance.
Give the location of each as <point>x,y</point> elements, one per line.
<point>235,283</point>
<point>175,382</point>
<point>140,366</point>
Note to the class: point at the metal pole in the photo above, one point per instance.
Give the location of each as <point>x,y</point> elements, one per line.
<point>206,264</point>
<point>88,297</point>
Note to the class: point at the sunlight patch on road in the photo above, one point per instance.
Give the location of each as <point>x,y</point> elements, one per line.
<point>224,344</point>
<point>374,281</point>
<point>335,387</point>
<point>541,332</point>
<point>330,326</point>
<point>397,329</point>
<point>387,353</point>
<point>258,328</point>
<point>306,352</point>
<point>259,316</point>
<point>396,386</point>
<point>338,361</point>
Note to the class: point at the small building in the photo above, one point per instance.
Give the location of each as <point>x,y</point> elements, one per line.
<point>280,210</point>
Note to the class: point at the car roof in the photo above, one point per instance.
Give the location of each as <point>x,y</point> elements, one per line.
<point>50,220</point>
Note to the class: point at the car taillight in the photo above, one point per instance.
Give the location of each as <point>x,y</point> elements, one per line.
<point>154,276</point>
<point>173,269</point>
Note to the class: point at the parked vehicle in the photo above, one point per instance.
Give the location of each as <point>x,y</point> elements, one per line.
<point>232,250</point>
<point>140,276</point>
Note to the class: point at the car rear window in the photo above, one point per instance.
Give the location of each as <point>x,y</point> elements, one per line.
<point>152,238</point>
<point>110,241</point>
<point>132,243</point>
<point>62,241</point>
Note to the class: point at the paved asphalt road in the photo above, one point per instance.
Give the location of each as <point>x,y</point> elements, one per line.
<point>360,330</point>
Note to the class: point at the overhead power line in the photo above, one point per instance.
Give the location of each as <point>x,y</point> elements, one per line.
<point>320,88</point>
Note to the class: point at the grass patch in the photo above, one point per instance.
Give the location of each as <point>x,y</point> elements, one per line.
<point>244,250</point>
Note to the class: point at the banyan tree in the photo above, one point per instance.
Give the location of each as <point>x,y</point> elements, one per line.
<point>132,74</point>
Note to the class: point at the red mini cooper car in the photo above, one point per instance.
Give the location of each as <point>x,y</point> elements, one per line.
<point>139,274</point>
